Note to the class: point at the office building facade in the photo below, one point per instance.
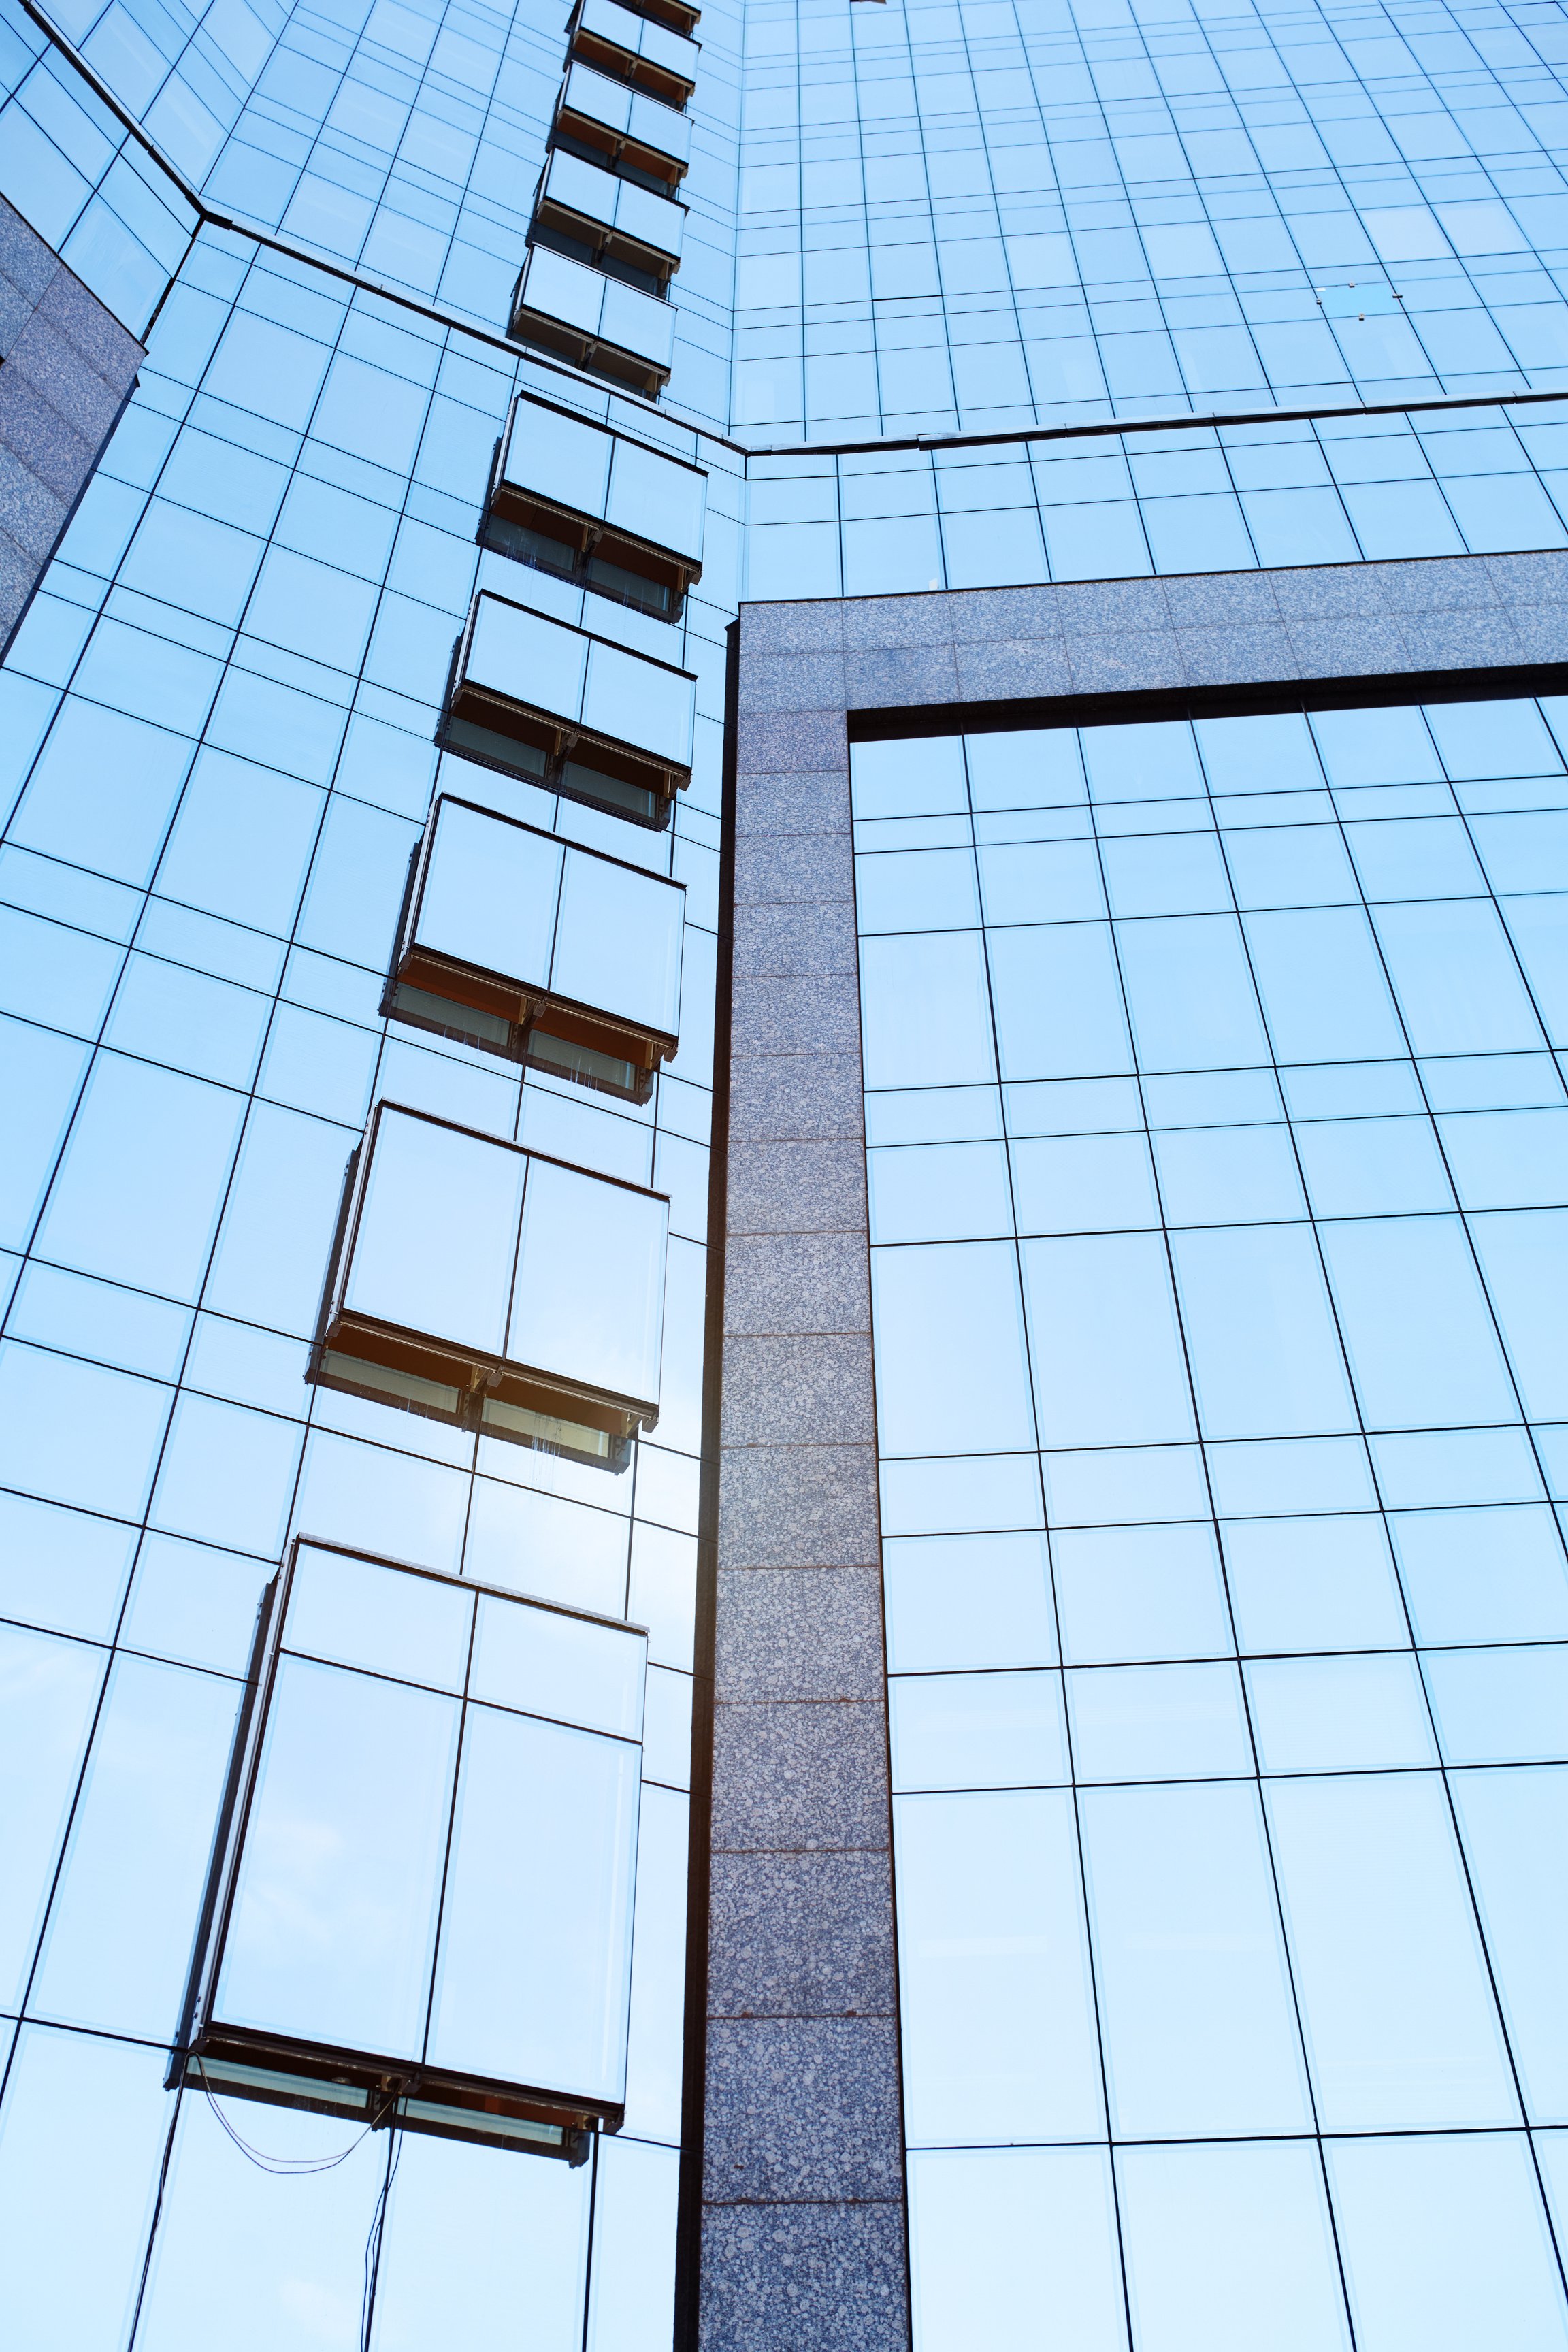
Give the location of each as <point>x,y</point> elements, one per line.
<point>781,1408</point>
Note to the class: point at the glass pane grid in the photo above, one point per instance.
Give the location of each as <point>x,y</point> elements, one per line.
<point>1219,1415</point>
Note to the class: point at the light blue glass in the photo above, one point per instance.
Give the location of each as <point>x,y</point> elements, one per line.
<point>531,1979</point>
<point>1313,1584</point>
<point>1416,1325</point>
<point>1507,1820</point>
<point>229,2223</point>
<point>1127,1594</point>
<point>956,1192</point>
<point>75,2217</point>
<point>1106,1348</point>
<point>1226,2241</point>
<point>133,1869</point>
<point>994,2230</point>
<point>1196,2009</point>
<point>1265,1354</point>
<point>1158,1723</point>
<point>1495,1575</point>
<point>983,1403</point>
<point>335,1910</point>
<point>968,1600</point>
<point>1401,2028</point>
<point>1442,2235</point>
<point>977,1731</point>
<point>529,2226</point>
<point>998,2029</point>
<point>1339,1715</point>
<point>1046,965</point>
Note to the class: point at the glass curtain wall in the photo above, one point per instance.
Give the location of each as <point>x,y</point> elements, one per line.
<point>978,215</point>
<point>217,742</point>
<point>217,751</point>
<point>1219,1149</point>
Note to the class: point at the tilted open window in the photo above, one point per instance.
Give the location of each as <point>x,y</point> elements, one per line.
<point>529,946</point>
<point>570,711</point>
<point>477,1283</point>
<point>591,216</point>
<point>602,323</point>
<point>623,125</point>
<point>571,498</point>
<point>419,1915</point>
<point>633,48</point>
<point>679,14</point>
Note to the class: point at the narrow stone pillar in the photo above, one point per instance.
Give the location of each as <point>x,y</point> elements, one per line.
<point>804,2238</point>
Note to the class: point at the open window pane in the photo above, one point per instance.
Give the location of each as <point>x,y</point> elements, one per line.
<point>588,1300</point>
<point>619,942</point>
<point>421,1905</point>
<point>568,710</point>
<point>434,1233</point>
<point>648,55</point>
<point>435,1221</point>
<point>542,951</point>
<point>536,1933</point>
<point>487,893</point>
<point>657,499</point>
<point>334,1914</point>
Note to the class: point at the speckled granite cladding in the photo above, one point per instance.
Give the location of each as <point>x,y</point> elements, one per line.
<point>66,371</point>
<point>804,2234</point>
<point>804,2245</point>
<point>1332,621</point>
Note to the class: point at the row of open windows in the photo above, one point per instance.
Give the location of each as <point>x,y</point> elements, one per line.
<point>471,1760</point>
<point>531,1306</point>
<point>420,1905</point>
<point>562,707</point>
<point>606,236</point>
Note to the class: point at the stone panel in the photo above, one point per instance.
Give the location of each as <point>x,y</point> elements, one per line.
<point>67,371</point>
<point>803,2239</point>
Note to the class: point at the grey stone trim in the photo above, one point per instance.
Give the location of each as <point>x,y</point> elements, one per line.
<point>67,368</point>
<point>1205,632</point>
<point>803,2236</point>
<point>804,2230</point>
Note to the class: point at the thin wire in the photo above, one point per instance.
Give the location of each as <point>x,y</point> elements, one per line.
<point>373,2242</point>
<point>283,2166</point>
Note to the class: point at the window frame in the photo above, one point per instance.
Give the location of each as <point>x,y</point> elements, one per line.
<point>322,2078</point>
<point>525,1006</point>
<point>478,1390</point>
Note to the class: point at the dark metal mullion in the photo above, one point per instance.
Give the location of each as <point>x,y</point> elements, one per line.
<point>1219,1544</point>
<point>1089,1939</point>
<point>1442,1767</point>
<point>451,1832</point>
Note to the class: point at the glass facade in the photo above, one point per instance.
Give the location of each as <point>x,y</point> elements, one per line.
<point>1215,1133</point>
<point>366,920</point>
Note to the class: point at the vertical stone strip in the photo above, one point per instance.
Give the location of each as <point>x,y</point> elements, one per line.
<point>803,2236</point>
<point>67,368</point>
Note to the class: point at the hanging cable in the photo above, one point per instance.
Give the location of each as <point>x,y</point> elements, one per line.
<point>373,2242</point>
<point>286,2167</point>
